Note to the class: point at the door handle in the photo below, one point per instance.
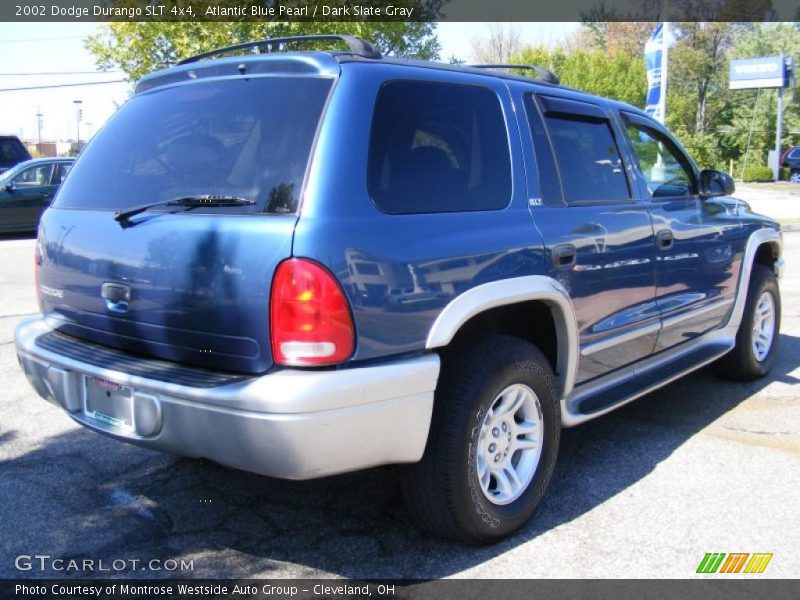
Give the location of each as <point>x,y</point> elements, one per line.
<point>564,256</point>
<point>665,239</point>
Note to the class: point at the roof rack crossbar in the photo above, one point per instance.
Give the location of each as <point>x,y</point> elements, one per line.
<point>541,73</point>
<point>355,45</point>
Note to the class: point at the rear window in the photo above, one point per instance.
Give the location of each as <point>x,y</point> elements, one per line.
<point>438,148</point>
<point>249,138</point>
<point>12,151</point>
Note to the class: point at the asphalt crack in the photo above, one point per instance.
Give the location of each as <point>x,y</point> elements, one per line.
<point>742,430</point>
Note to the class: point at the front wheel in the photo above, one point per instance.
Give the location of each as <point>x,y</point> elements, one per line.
<point>757,339</point>
<point>493,442</point>
<point>794,177</point>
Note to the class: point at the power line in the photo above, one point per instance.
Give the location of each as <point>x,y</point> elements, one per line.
<point>47,39</point>
<point>59,73</point>
<point>61,85</point>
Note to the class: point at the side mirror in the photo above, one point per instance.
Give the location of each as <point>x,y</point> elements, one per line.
<point>715,183</point>
<point>9,187</point>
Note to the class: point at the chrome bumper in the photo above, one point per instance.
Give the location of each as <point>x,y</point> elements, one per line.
<point>293,424</point>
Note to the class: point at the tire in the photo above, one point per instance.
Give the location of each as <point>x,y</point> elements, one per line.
<point>444,491</point>
<point>794,177</point>
<point>747,361</point>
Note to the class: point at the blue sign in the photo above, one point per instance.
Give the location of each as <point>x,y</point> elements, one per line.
<point>765,72</point>
<point>653,58</point>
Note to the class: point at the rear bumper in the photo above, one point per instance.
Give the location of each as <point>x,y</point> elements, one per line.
<point>293,424</point>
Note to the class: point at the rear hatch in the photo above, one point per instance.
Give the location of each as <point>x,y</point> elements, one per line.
<point>185,283</point>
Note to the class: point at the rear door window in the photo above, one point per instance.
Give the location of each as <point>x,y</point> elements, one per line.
<point>249,138</point>
<point>588,158</point>
<point>61,172</point>
<point>438,148</point>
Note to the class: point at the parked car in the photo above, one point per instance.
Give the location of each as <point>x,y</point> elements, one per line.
<point>12,152</point>
<point>791,160</point>
<point>27,189</point>
<point>241,234</point>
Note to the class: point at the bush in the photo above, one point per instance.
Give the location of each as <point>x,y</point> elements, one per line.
<point>785,173</point>
<point>759,173</point>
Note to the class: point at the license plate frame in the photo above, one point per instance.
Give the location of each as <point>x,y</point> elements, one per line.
<point>108,403</point>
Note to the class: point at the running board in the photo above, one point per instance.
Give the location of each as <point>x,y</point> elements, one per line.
<point>610,392</point>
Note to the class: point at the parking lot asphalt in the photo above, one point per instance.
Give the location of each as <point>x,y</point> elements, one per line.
<point>702,465</point>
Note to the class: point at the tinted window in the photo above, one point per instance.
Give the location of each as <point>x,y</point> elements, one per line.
<point>12,151</point>
<point>663,172</point>
<point>549,185</point>
<point>246,137</point>
<point>61,172</point>
<point>588,158</point>
<point>438,148</point>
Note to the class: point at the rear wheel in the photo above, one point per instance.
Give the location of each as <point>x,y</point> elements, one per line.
<point>493,442</point>
<point>794,177</point>
<point>757,338</point>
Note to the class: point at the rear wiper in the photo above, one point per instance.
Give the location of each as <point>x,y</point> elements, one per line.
<point>190,201</point>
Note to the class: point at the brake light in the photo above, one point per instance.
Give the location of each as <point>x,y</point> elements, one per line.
<point>309,316</point>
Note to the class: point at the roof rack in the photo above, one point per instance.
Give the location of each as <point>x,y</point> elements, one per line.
<point>355,45</point>
<point>541,73</point>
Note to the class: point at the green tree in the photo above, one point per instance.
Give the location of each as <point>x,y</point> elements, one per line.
<point>138,48</point>
<point>626,37</point>
<point>698,74</point>
<point>611,74</point>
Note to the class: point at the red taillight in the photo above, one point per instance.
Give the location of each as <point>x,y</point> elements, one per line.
<point>309,316</point>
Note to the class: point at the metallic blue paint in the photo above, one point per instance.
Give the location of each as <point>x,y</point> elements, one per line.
<point>200,283</point>
<point>399,271</point>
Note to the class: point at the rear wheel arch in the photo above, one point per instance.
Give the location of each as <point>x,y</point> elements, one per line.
<point>499,307</point>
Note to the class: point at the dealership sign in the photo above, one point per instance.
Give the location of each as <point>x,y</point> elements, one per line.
<point>766,72</point>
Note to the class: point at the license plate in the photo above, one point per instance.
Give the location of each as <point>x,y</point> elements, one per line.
<point>108,403</point>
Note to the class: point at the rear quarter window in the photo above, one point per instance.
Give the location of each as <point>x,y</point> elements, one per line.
<point>438,147</point>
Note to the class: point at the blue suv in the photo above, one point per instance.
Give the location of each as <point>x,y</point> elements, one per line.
<point>302,263</point>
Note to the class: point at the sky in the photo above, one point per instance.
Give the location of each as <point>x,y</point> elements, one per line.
<point>30,54</point>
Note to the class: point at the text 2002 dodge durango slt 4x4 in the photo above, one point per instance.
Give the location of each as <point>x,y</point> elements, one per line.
<point>306,263</point>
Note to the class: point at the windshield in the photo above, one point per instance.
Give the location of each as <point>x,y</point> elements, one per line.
<point>248,138</point>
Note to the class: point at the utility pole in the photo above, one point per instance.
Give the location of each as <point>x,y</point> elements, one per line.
<point>79,117</point>
<point>39,116</point>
